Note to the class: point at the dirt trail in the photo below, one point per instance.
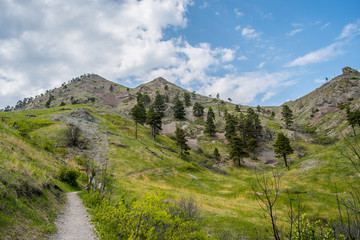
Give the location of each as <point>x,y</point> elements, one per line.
<point>74,223</point>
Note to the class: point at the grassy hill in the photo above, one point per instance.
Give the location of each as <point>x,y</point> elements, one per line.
<point>229,208</point>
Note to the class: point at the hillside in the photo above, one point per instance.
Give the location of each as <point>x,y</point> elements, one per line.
<point>229,209</point>
<point>324,108</point>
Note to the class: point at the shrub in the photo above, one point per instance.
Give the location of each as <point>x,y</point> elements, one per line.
<point>69,175</point>
<point>152,217</point>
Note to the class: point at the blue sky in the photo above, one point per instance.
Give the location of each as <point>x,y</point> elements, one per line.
<point>254,52</point>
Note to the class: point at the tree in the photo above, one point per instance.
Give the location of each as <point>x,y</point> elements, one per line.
<point>287,115</point>
<point>111,89</point>
<point>187,99</point>
<point>181,141</point>
<point>230,127</point>
<point>138,113</point>
<point>72,135</point>
<point>237,149</point>
<point>216,154</point>
<point>198,110</point>
<point>237,108</point>
<point>282,147</point>
<point>229,99</point>
<point>159,104</point>
<point>210,127</point>
<point>179,110</point>
<point>258,108</point>
<point>153,118</point>
<point>267,192</point>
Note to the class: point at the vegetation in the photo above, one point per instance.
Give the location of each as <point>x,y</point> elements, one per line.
<point>181,141</point>
<point>287,115</point>
<point>210,127</point>
<point>282,147</point>
<point>138,113</point>
<point>179,110</point>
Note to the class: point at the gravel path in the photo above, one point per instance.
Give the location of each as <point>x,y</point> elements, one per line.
<point>74,223</point>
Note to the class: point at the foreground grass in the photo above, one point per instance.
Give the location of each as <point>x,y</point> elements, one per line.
<point>229,209</point>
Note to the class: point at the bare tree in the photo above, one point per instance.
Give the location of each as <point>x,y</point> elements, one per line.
<point>267,191</point>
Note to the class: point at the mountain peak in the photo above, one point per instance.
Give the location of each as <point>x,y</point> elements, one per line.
<point>347,70</point>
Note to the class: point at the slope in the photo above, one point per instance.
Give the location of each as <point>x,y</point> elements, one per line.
<point>29,195</point>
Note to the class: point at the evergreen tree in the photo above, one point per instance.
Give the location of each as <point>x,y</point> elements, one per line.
<point>187,99</point>
<point>145,100</point>
<point>159,104</point>
<point>282,147</point>
<point>287,115</point>
<point>237,108</point>
<point>181,141</point>
<point>230,127</point>
<point>198,110</point>
<point>216,154</point>
<point>211,113</point>
<point>237,149</point>
<point>111,88</point>
<point>258,108</point>
<point>138,96</point>
<point>210,127</point>
<point>138,114</point>
<point>153,118</point>
<point>179,110</point>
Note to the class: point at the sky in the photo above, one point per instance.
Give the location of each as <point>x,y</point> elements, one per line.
<point>256,52</point>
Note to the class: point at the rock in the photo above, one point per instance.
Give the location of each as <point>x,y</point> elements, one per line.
<point>83,114</point>
<point>349,70</point>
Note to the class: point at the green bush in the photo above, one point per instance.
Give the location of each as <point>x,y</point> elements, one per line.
<point>152,217</point>
<point>69,175</point>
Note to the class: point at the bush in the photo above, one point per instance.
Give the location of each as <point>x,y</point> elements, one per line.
<point>152,217</point>
<point>69,175</point>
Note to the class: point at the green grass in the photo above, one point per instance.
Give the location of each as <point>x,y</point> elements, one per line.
<point>228,205</point>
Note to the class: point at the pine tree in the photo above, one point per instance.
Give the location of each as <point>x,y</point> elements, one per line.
<point>216,154</point>
<point>153,118</point>
<point>159,104</point>
<point>138,113</point>
<point>282,147</point>
<point>181,141</point>
<point>287,115</point>
<point>187,99</point>
<point>230,127</point>
<point>198,110</point>
<point>179,110</point>
<point>237,108</point>
<point>210,127</point>
<point>258,108</point>
<point>237,149</point>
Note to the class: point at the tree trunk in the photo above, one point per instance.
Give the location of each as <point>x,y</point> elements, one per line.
<point>284,155</point>
<point>135,130</point>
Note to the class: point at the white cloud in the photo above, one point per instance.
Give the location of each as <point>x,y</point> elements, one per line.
<point>246,87</point>
<point>321,55</point>
<point>44,43</point>
<point>250,33</point>
<point>242,58</point>
<point>295,31</point>
<point>325,25</point>
<point>321,81</point>
<point>238,13</point>
<point>261,65</point>
<point>238,28</point>
<point>350,30</point>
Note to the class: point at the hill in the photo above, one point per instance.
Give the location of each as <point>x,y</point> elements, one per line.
<point>229,209</point>
<point>324,108</point>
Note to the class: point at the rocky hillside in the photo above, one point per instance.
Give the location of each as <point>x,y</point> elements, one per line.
<point>324,108</point>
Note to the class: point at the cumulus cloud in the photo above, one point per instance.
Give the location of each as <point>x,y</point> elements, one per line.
<point>44,43</point>
<point>249,33</point>
<point>321,55</point>
<point>246,87</point>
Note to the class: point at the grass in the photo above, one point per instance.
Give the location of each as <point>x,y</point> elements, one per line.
<point>228,205</point>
